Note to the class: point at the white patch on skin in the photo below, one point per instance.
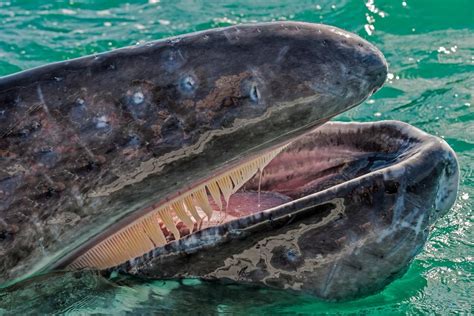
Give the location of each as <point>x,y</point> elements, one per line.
<point>76,193</point>
<point>419,222</point>
<point>41,98</point>
<point>282,53</point>
<point>327,285</point>
<point>447,186</point>
<point>339,32</point>
<point>188,84</point>
<point>395,172</point>
<point>102,122</point>
<point>138,97</point>
<point>16,168</point>
<point>397,222</point>
<point>231,37</point>
<point>442,191</point>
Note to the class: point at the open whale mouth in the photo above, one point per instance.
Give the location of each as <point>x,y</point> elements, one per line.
<point>213,201</point>
<point>333,154</point>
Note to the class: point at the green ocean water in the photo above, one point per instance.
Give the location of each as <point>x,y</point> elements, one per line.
<point>430,49</point>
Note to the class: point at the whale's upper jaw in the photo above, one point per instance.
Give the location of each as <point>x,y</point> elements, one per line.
<point>92,143</point>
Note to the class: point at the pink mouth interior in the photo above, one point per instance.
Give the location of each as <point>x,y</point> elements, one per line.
<point>242,203</point>
<point>294,173</point>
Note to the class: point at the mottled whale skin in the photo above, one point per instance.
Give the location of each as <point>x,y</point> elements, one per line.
<point>368,195</point>
<point>89,142</point>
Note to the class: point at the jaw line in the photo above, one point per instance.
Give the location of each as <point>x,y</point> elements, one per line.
<point>155,165</point>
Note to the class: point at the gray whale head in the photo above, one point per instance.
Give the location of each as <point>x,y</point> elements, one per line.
<point>109,158</point>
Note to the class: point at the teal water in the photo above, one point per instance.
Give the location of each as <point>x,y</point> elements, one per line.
<point>430,49</point>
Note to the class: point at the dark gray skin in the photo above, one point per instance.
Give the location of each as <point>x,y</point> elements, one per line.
<point>86,145</point>
<point>381,241</point>
<point>364,201</point>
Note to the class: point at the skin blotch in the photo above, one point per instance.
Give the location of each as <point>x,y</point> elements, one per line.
<point>225,87</point>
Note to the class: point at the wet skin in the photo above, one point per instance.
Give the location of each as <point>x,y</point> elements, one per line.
<point>89,145</point>
<point>364,197</point>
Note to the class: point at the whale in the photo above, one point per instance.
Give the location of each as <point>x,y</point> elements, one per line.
<point>183,157</point>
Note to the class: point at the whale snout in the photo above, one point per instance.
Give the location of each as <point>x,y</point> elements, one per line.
<point>367,66</point>
<point>337,64</point>
<point>377,70</point>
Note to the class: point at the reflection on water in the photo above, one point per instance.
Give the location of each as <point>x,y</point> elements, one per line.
<point>429,47</point>
<point>88,292</point>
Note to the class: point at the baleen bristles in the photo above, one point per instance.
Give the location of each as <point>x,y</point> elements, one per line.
<point>145,233</point>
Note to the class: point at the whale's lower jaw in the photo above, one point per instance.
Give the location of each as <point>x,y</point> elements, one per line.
<point>350,206</point>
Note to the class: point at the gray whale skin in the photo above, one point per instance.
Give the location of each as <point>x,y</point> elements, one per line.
<point>91,145</point>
